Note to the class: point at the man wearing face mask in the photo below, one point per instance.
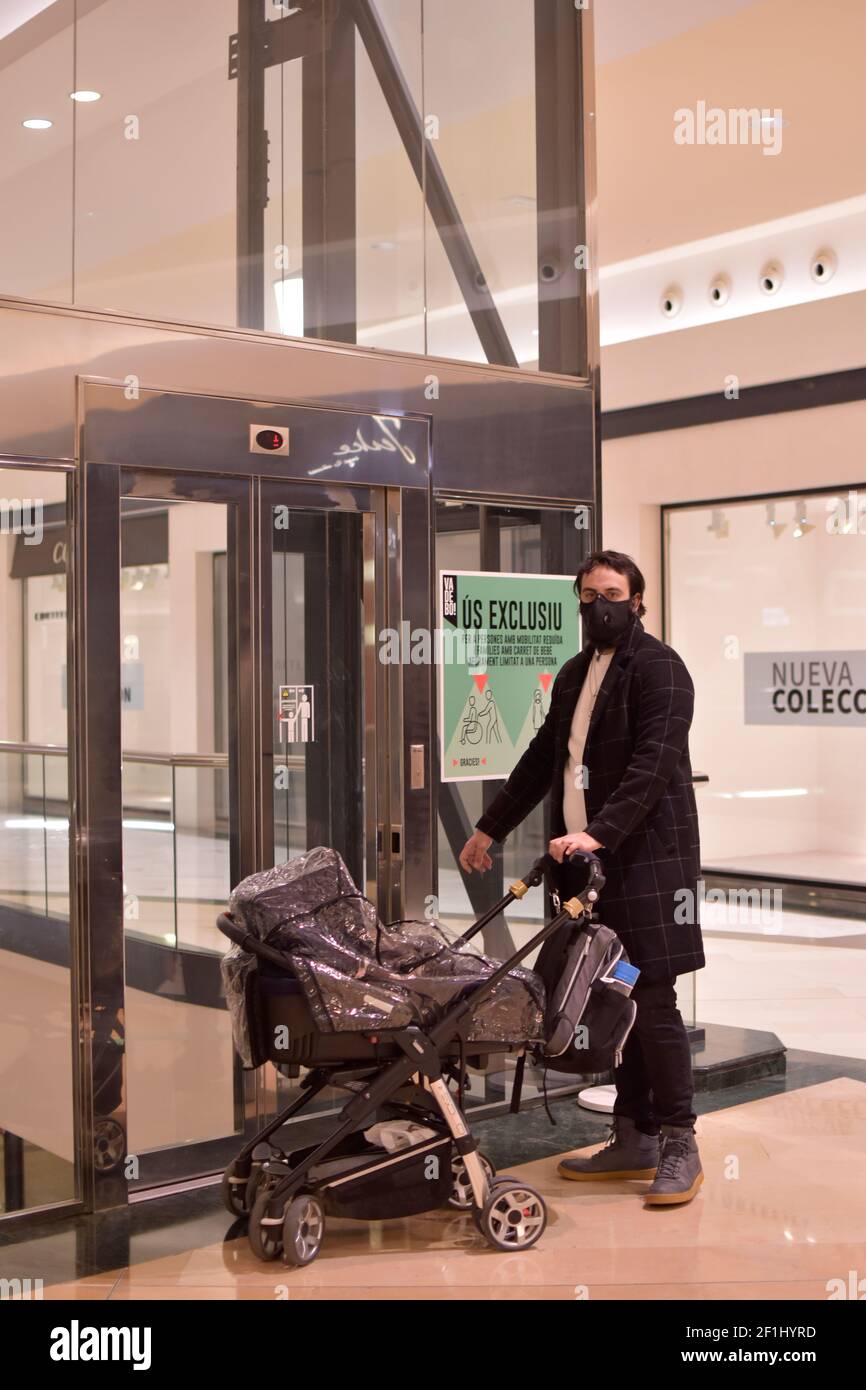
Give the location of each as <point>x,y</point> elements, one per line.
<point>613,752</point>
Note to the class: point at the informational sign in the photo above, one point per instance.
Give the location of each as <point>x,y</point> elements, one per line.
<point>296,713</point>
<point>131,685</point>
<point>816,688</point>
<point>502,640</point>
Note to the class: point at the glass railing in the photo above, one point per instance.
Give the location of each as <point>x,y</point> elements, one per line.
<point>34,829</point>
<point>176,847</point>
<point>175,840</point>
<point>176,850</point>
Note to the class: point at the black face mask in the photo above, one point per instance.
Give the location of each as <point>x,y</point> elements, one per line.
<point>606,621</point>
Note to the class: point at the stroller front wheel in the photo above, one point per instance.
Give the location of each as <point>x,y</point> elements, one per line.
<point>303,1230</point>
<point>266,1242</point>
<point>461,1190</point>
<point>514,1216</point>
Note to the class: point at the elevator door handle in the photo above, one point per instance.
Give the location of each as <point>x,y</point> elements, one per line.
<point>416,767</point>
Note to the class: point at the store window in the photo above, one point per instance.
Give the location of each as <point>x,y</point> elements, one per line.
<point>766,603</point>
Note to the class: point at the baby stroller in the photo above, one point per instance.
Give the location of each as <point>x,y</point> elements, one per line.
<point>392,1016</point>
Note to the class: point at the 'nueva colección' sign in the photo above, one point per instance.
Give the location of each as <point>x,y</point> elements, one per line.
<point>805,688</point>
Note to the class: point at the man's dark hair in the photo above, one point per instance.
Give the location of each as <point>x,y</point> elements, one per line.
<point>614,560</point>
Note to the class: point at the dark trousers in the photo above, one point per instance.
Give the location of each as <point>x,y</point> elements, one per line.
<point>654,1084</point>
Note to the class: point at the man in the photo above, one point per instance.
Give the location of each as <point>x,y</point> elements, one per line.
<point>613,752</point>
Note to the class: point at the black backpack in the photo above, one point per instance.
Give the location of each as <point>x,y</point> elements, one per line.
<point>589,1013</point>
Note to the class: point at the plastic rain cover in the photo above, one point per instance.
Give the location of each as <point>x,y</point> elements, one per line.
<point>359,975</point>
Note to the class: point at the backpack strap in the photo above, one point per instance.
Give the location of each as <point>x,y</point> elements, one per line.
<point>517,1088</point>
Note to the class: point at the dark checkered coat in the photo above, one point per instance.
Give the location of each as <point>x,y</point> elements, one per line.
<point>639,798</point>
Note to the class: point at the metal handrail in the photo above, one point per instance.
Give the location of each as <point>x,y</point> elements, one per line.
<point>178,759</point>
<point>59,750</point>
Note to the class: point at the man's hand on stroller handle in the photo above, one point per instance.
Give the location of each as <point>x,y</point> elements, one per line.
<point>566,845</point>
<point>474,853</point>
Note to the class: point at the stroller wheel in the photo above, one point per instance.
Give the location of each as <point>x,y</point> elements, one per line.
<point>500,1180</point>
<point>108,1146</point>
<point>266,1242</point>
<point>303,1229</point>
<point>234,1191</point>
<point>461,1190</point>
<point>514,1217</point>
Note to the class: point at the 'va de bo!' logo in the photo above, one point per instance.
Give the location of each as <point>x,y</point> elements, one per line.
<point>805,688</point>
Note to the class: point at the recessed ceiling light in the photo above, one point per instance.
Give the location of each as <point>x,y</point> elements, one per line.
<point>85,96</point>
<point>37,123</point>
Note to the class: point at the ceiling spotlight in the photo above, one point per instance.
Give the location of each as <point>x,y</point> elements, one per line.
<point>671,301</point>
<point>720,290</point>
<point>802,525</point>
<point>823,266</point>
<point>37,123</point>
<point>85,96</point>
<point>771,278</point>
<point>719,525</point>
<point>777,527</point>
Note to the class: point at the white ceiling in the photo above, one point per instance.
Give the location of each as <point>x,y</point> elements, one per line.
<point>14,13</point>
<point>627,26</point>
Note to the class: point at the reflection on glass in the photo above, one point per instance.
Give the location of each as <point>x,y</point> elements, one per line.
<point>156,160</point>
<point>173,653</point>
<point>479,79</point>
<point>174,644</point>
<point>356,181</point>
<point>318,729</point>
<point>317,629</point>
<point>390,243</point>
<point>36,1112</point>
<point>37,66</point>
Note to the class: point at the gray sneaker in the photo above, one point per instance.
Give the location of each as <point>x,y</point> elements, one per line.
<point>679,1173</point>
<point>627,1153</point>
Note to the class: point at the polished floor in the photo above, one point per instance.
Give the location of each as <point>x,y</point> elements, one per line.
<point>781,1215</point>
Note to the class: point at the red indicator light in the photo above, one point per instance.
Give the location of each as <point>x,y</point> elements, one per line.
<point>270,439</point>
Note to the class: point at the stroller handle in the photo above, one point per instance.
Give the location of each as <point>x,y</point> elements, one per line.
<point>543,868</point>
<point>241,937</point>
<point>596,879</point>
